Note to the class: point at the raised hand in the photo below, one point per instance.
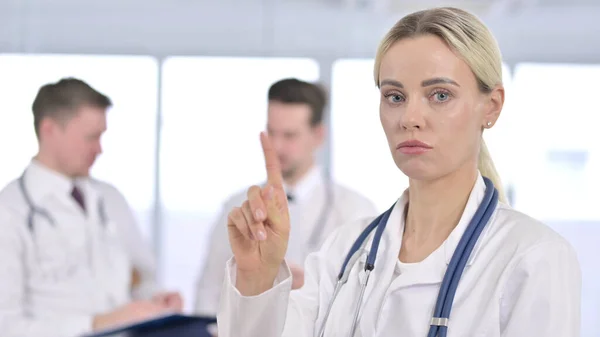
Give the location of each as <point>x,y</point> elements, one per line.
<point>259,229</point>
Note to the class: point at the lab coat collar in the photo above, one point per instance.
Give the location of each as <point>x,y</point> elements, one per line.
<point>41,182</point>
<point>475,198</point>
<point>303,189</point>
<point>431,270</point>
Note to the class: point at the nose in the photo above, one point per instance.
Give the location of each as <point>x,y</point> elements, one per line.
<point>412,118</point>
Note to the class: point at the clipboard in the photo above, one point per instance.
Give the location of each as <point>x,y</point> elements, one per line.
<point>163,326</point>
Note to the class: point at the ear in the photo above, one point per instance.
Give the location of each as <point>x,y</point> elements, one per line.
<point>319,133</point>
<point>494,107</point>
<point>47,128</point>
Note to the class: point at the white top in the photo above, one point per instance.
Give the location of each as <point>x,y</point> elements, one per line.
<point>308,206</point>
<point>522,279</point>
<point>56,277</point>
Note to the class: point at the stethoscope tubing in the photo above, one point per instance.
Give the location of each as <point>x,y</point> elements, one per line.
<point>460,258</point>
<point>453,273</point>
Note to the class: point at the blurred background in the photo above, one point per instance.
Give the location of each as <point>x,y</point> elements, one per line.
<point>189,81</point>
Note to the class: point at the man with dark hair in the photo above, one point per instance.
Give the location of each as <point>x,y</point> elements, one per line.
<point>317,205</point>
<point>69,243</point>
<point>69,118</point>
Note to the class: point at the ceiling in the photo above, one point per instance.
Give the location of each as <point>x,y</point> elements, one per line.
<point>481,7</point>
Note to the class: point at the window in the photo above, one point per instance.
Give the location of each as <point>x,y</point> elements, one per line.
<point>129,147</point>
<point>556,151</point>
<point>213,111</point>
<point>361,157</point>
<point>557,143</point>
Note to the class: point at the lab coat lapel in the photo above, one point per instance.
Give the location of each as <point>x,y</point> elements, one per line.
<point>475,199</point>
<point>92,199</point>
<point>48,188</point>
<point>382,275</point>
<point>430,271</point>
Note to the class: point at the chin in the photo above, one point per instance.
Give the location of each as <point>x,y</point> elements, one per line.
<point>84,172</point>
<point>418,171</point>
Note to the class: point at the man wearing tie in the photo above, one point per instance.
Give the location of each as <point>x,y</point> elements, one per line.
<point>317,204</point>
<point>69,243</point>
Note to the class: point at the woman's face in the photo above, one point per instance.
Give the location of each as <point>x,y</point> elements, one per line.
<point>430,97</point>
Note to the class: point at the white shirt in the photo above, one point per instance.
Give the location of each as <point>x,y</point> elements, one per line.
<point>57,275</point>
<point>522,279</point>
<point>310,204</point>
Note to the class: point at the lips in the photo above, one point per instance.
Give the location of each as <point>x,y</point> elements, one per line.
<point>413,146</point>
<point>414,143</point>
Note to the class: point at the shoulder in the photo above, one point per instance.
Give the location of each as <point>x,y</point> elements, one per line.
<point>524,230</point>
<point>108,191</point>
<point>105,187</point>
<point>13,209</point>
<point>541,266</point>
<point>12,198</point>
<point>527,239</point>
<point>9,190</point>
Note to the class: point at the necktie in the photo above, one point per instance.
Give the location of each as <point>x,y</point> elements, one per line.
<point>78,196</point>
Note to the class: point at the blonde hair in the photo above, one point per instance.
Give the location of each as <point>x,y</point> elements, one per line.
<point>469,38</point>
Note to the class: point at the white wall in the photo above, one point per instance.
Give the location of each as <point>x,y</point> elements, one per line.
<point>267,28</point>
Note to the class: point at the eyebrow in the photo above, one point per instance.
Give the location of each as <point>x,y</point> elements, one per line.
<point>438,80</point>
<point>425,83</point>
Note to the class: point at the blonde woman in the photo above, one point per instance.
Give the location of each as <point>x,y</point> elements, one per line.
<point>452,259</point>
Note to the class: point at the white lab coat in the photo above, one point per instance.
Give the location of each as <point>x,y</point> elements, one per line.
<point>55,278</point>
<point>523,279</point>
<point>310,202</point>
<point>137,249</point>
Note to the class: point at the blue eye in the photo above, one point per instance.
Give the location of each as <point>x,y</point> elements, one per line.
<point>395,98</point>
<point>441,96</point>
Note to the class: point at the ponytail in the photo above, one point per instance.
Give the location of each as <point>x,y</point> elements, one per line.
<point>488,169</point>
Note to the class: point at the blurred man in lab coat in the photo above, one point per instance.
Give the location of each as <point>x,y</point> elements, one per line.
<point>317,204</point>
<point>71,257</point>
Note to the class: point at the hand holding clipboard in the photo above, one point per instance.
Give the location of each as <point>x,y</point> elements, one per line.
<point>162,326</point>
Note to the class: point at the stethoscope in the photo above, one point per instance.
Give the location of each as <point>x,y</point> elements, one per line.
<point>31,216</point>
<point>443,306</point>
<point>33,209</point>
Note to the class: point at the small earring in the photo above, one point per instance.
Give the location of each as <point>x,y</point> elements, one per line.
<point>489,124</point>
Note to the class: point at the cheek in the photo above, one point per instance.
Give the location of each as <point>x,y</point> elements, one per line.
<point>458,129</point>
<point>305,147</point>
<point>390,123</point>
<point>301,144</point>
<point>387,119</point>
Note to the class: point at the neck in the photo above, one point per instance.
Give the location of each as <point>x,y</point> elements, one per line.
<point>435,207</point>
<point>299,173</point>
<point>49,162</point>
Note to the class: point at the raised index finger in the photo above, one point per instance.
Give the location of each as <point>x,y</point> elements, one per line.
<point>274,177</point>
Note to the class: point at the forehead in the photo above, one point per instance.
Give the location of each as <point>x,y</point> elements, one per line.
<point>288,115</point>
<point>423,57</point>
